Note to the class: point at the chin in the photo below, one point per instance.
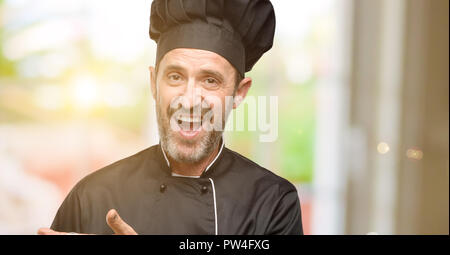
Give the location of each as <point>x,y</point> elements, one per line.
<point>186,154</point>
<point>187,150</point>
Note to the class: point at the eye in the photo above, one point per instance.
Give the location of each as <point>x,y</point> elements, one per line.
<point>211,82</point>
<point>174,78</point>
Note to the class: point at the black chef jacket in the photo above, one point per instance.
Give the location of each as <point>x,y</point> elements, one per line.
<point>234,196</point>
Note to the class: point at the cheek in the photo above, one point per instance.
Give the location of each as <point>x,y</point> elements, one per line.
<point>165,97</point>
<point>219,102</point>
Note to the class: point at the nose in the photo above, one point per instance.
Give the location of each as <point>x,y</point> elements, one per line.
<point>192,95</point>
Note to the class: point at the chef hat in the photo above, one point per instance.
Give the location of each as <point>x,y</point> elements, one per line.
<point>238,30</point>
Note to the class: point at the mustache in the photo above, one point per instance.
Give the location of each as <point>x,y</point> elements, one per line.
<point>198,110</point>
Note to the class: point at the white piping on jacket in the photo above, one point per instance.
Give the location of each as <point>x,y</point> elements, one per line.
<point>167,160</point>
<point>215,206</point>
<point>211,180</point>
<point>186,176</point>
<point>217,156</point>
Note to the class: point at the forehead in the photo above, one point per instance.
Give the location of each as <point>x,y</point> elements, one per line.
<point>196,59</point>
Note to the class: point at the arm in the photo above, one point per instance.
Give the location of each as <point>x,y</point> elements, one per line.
<point>68,219</point>
<point>287,217</point>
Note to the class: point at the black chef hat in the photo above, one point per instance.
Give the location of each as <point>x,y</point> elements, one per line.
<point>238,30</point>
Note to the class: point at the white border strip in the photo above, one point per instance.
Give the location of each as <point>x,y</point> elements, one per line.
<point>215,206</point>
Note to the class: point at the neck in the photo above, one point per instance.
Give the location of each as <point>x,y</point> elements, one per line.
<point>193,169</point>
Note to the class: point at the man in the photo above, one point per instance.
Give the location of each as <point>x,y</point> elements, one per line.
<point>190,183</point>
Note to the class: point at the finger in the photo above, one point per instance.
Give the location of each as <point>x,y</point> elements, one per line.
<point>117,224</point>
<point>48,231</point>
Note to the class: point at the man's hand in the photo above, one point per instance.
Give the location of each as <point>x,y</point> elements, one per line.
<point>112,219</point>
<point>118,225</point>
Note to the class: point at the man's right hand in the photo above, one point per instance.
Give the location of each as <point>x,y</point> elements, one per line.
<point>113,220</point>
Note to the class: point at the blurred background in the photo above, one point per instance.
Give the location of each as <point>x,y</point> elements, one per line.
<point>362,90</point>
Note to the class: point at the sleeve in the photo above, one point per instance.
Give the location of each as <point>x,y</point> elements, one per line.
<point>68,217</point>
<point>287,217</point>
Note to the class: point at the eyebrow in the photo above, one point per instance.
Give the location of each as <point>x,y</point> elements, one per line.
<point>213,73</point>
<point>210,72</point>
<point>173,68</point>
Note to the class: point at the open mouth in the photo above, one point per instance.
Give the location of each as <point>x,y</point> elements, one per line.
<point>190,126</point>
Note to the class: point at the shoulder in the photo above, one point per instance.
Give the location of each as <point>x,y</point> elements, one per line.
<point>273,199</point>
<point>117,172</point>
<point>251,172</point>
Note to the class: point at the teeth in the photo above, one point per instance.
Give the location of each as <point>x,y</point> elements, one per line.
<point>189,119</point>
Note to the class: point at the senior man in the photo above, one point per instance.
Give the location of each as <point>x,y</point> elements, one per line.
<point>190,183</point>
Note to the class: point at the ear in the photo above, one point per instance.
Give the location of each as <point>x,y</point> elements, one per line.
<point>153,81</point>
<point>241,91</point>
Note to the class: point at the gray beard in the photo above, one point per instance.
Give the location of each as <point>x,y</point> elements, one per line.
<point>197,151</point>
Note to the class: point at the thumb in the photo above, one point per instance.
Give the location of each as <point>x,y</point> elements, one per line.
<point>117,224</point>
<point>48,231</point>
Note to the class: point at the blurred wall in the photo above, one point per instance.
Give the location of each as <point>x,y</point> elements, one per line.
<point>398,171</point>
<point>427,85</point>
